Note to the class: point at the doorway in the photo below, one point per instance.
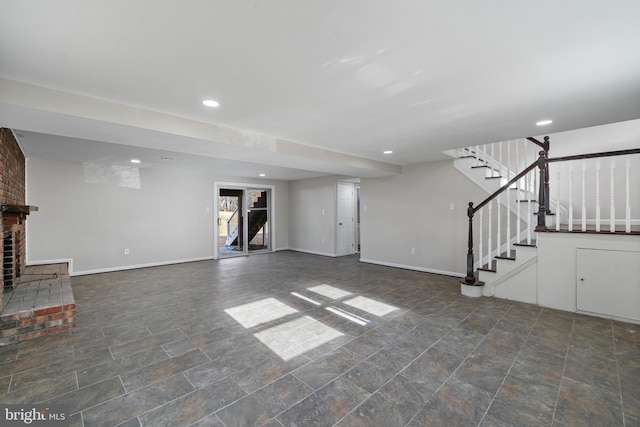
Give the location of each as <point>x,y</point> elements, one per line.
<point>346,210</point>
<point>243,220</point>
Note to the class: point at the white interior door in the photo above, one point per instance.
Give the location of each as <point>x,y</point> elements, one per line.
<point>345,215</point>
<point>607,282</point>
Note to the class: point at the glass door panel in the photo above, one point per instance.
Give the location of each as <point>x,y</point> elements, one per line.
<point>258,233</point>
<point>230,222</point>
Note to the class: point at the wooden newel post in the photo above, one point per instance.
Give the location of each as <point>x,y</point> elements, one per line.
<point>470,279</point>
<point>542,210</point>
<point>547,199</point>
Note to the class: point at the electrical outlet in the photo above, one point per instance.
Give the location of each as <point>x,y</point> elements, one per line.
<point>413,251</point>
<point>126,251</point>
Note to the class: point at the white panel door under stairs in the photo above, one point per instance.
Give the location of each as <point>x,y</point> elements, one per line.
<point>608,283</point>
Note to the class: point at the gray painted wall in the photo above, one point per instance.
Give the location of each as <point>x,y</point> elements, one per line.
<point>413,210</point>
<point>311,230</point>
<point>91,213</point>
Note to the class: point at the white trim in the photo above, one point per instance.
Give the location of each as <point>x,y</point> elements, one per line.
<point>589,221</point>
<point>608,316</point>
<point>118,268</point>
<point>413,267</point>
<point>471,291</point>
<point>517,270</point>
<point>312,252</point>
<point>68,261</point>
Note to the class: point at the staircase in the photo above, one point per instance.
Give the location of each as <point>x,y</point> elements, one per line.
<point>257,216</point>
<point>502,254</point>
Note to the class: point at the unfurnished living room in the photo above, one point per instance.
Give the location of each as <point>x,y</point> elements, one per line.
<point>320,213</point>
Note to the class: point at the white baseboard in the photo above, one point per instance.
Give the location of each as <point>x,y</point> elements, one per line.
<point>413,267</point>
<point>312,252</point>
<point>118,268</point>
<point>68,261</point>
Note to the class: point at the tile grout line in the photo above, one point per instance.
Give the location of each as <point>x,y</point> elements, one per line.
<point>615,353</point>
<point>564,368</point>
<point>515,359</point>
<point>390,379</point>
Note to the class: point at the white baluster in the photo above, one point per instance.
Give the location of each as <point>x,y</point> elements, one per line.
<point>477,155</point>
<point>492,163</point>
<point>484,153</point>
<point>500,161</point>
<point>529,214</point>
<point>518,228</point>
<point>584,195</point>
<point>480,239</point>
<point>558,199</point>
<point>499,230</point>
<point>518,155</point>
<point>508,211</point>
<point>489,240</point>
<point>612,219</point>
<point>627,225</point>
<point>598,195</point>
<point>526,177</point>
<point>570,196</point>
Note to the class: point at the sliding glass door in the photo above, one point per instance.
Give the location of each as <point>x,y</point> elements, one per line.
<point>243,220</point>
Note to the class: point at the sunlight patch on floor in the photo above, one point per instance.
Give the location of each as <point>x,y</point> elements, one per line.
<point>370,305</point>
<point>311,300</point>
<point>296,337</point>
<point>329,291</point>
<point>259,312</point>
<point>348,315</point>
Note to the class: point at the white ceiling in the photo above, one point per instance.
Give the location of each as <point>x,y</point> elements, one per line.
<point>308,87</point>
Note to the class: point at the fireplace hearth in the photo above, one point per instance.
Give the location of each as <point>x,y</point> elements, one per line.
<point>13,242</point>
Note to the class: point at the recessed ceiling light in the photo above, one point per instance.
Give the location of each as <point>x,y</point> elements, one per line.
<point>262,174</point>
<point>135,161</point>
<point>544,122</point>
<point>211,103</point>
<point>387,152</point>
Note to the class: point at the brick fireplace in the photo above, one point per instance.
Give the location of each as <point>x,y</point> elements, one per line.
<point>12,195</point>
<point>13,242</point>
<point>35,300</point>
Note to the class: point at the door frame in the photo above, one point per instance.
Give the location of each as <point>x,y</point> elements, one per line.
<point>244,186</point>
<point>352,184</point>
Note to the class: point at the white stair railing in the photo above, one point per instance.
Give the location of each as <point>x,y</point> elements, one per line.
<point>598,182</point>
<point>498,235</point>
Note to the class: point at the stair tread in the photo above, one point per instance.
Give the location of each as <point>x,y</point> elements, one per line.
<point>604,229</point>
<point>504,255</point>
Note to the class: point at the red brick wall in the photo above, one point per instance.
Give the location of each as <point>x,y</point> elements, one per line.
<point>12,170</point>
<point>12,192</point>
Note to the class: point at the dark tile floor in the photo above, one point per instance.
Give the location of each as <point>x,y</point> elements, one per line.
<point>226,343</point>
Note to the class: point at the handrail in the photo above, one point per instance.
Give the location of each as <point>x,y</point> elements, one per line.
<point>595,155</point>
<point>542,163</point>
<point>505,186</point>
<point>541,144</point>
